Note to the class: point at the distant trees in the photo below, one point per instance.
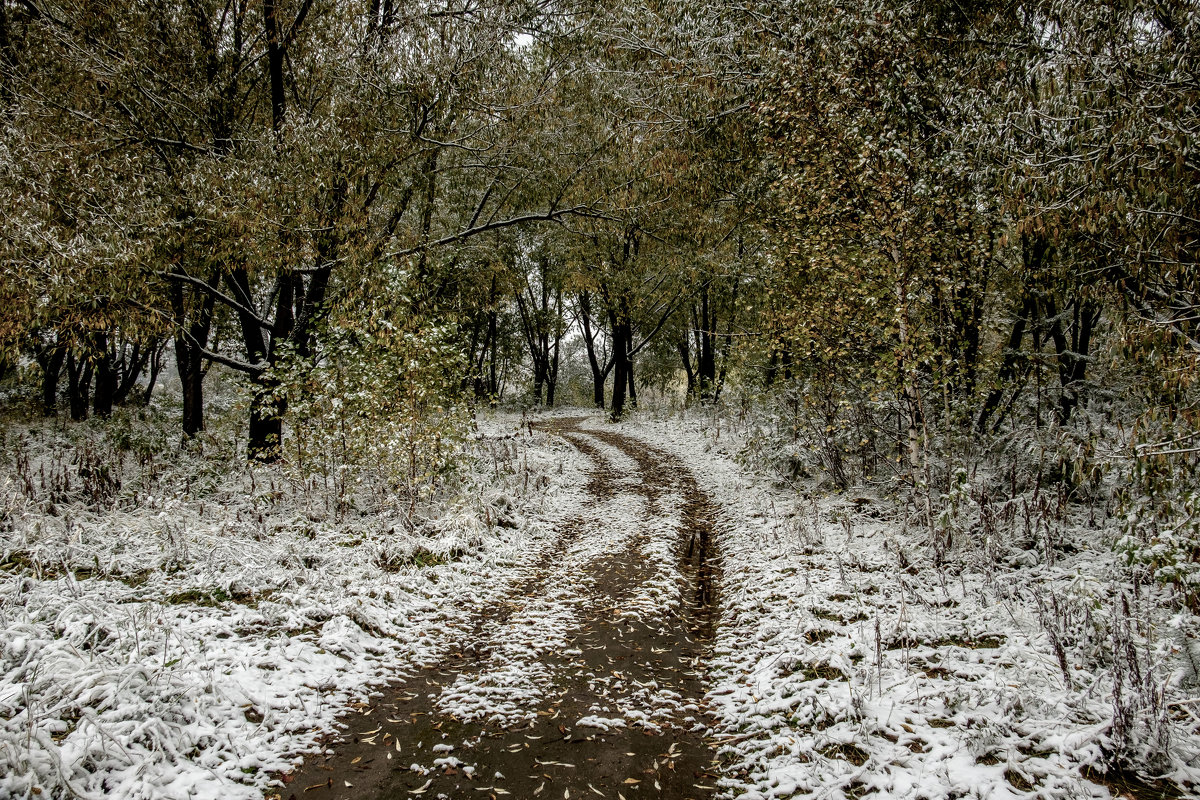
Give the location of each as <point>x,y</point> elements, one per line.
<point>950,211</point>
<point>245,164</point>
<point>965,199</point>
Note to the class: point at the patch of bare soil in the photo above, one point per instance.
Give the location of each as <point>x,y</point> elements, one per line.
<point>614,659</point>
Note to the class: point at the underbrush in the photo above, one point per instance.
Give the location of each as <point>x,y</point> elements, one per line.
<point>179,622</point>
<point>1086,527</point>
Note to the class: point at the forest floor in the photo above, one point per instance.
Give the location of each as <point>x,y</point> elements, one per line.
<point>586,680</point>
<point>622,611</point>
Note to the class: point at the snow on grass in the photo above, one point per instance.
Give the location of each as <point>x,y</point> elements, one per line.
<point>848,663</point>
<point>188,631</point>
<point>213,622</point>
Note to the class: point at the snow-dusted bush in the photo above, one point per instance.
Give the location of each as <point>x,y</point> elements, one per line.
<point>376,417</point>
<point>1162,509</point>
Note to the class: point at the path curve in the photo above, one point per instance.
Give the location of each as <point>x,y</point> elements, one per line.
<point>586,682</point>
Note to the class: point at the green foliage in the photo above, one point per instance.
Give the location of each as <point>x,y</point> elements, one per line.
<point>376,413</point>
<point>1161,508</point>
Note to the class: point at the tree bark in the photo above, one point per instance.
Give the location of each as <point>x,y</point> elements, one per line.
<point>275,57</point>
<point>633,401</point>
<point>79,379</point>
<point>552,371</point>
<point>1008,366</point>
<point>686,357</point>
<point>155,368</point>
<point>106,379</point>
<point>622,335</point>
<point>706,362</point>
<point>599,373</point>
<point>51,360</point>
<point>132,365</point>
<point>190,341</point>
<point>1072,355</point>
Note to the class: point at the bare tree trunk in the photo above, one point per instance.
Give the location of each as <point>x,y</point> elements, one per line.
<point>1072,355</point>
<point>51,360</point>
<point>621,372</point>
<point>633,403</point>
<point>155,369</point>
<point>106,379</point>
<point>686,357</point>
<point>275,57</point>
<point>190,341</point>
<point>599,374</point>
<point>79,379</point>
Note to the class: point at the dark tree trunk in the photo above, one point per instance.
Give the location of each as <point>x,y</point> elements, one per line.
<point>1035,251</point>
<point>106,380</point>
<point>79,379</point>
<point>969,326</point>
<point>539,381</point>
<point>296,309</point>
<point>265,432</point>
<point>632,382</point>
<point>191,338</point>
<point>493,338</point>
<point>772,369</point>
<point>1073,355</point>
<point>686,357</point>
<point>155,367</point>
<point>552,360</point>
<point>275,58</point>
<point>478,379</point>
<point>132,365</point>
<point>191,373</point>
<point>706,362</point>
<point>599,373</point>
<point>1008,366</point>
<point>471,378</point>
<point>51,360</point>
<point>621,372</point>
<point>722,356</point>
<point>552,377</point>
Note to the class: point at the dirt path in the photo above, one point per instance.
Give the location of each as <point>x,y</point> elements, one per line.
<point>586,683</point>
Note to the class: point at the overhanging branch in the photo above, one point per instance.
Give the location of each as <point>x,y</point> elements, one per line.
<point>553,215</point>
<point>218,295</point>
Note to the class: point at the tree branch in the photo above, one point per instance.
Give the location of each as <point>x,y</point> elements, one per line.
<point>218,295</point>
<point>541,216</point>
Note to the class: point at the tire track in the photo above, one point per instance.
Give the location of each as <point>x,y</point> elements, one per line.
<point>596,662</point>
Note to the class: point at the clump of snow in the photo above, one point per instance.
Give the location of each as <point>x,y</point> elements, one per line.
<point>603,723</point>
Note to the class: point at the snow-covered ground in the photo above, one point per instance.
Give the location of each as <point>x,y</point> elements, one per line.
<point>191,642</point>
<point>189,645</point>
<point>849,664</point>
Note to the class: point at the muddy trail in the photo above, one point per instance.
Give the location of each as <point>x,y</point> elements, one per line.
<point>587,682</point>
